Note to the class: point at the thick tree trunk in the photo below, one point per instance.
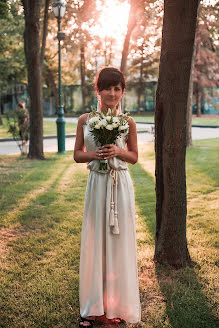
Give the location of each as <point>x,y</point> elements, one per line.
<point>82,68</point>
<point>32,53</point>
<point>170,131</point>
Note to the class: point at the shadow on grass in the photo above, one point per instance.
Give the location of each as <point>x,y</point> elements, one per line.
<point>45,209</point>
<point>203,159</point>
<point>144,195</point>
<point>45,277</point>
<point>186,304</point>
<point>24,178</point>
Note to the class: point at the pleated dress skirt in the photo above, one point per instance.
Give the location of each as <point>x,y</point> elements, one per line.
<point>108,261</point>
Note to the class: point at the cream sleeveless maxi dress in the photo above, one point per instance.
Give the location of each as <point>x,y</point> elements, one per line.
<point>108,258</point>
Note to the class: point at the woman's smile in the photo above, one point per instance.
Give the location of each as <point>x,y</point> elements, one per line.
<point>111,96</point>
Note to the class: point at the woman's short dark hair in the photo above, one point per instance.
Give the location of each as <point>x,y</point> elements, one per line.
<point>109,76</point>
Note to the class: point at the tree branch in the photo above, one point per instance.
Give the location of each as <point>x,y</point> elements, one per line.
<point>45,31</point>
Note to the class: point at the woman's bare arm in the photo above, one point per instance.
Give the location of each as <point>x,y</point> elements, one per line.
<point>80,155</point>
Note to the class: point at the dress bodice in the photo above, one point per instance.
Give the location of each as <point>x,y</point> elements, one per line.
<point>90,144</point>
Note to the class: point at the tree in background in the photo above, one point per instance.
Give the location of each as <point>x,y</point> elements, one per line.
<point>18,126</point>
<point>135,6</point>
<point>12,60</point>
<point>204,62</point>
<point>3,14</point>
<point>80,17</point>
<point>206,59</point>
<point>178,37</point>
<point>84,51</point>
<point>32,53</point>
<point>145,49</point>
<point>44,30</point>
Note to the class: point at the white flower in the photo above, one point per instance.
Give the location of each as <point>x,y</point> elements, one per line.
<point>93,120</point>
<point>116,120</point>
<point>103,122</point>
<point>123,127</point>
<point>108,118</point>
<point>109,127</point>
<point>97,126</point>
<point>114,125</point>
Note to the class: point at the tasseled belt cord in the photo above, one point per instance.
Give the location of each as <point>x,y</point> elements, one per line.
<point>113,219</point>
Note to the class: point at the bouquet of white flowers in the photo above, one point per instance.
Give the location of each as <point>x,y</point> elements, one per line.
<point>107,128</point>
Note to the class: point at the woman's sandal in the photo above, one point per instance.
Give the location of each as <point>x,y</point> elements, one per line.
<point>89,322</point>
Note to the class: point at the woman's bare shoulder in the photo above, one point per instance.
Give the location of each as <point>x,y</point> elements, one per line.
<point>82,119</point>
<point>131,121</point>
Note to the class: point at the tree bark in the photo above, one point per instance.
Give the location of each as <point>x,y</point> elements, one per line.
<point>32,53</point>
<point>189,113</point>
<point>170,131</point>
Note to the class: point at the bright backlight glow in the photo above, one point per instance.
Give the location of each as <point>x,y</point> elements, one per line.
<point>113,20</point>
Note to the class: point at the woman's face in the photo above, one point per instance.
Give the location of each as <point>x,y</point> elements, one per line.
<point>111,96</point>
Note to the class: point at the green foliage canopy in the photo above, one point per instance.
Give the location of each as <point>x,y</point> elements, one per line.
<point>12,61</point>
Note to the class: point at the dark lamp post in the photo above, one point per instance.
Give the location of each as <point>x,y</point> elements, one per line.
<point>59,11</point>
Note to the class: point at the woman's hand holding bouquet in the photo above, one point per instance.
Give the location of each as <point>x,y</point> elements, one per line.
<point>106,129</point>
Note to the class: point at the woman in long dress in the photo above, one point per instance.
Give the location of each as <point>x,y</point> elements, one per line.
<point>108,259</point>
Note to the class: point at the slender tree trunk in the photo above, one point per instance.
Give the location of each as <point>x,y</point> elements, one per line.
<point>82,67</point>
<point>110,51</point>
<point>105,52</point>
<point>1,110</point>
<point>170,131</point>
<point>140,81</point>
<point>15,92</point>
<point>51,82</point>
<point>130,28</point>
<point>139,99</point>
<point>198,101</point>
<point>45,31</point>
<point>32,53</point>
<point>1,121</point>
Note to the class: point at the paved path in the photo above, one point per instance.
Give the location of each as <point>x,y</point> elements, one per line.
<point>50,145</point>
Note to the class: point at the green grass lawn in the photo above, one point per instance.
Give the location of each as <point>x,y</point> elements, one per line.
<point>41,206</point>
<point>148,117</point>
<point>49,128</point>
